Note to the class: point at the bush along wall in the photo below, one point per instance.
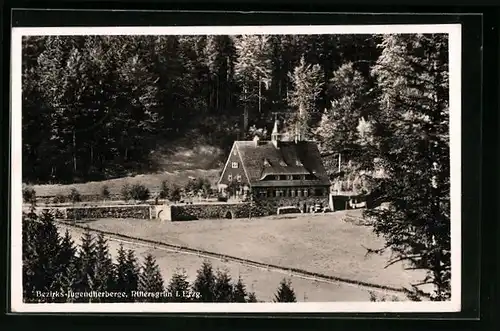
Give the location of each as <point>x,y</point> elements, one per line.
<point>141,212</point>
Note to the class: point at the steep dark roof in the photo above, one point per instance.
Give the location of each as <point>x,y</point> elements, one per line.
<point>289,152</point>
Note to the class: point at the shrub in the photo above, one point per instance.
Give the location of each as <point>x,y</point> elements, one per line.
<point>164,190</point>
<point>198,186</point>
<point>74,195</point>
<point>29,194</point>
<point>175,194</point>
<point>105,194</point>
<point>59,198</point>
<point>222,198</point>
<point>139,192</point>
<point>125,192</point>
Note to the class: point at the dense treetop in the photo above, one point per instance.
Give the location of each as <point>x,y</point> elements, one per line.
<point>96,106</point>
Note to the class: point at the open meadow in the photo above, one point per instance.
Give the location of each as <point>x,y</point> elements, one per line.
<point>264,283</point>
<point>321,243</point>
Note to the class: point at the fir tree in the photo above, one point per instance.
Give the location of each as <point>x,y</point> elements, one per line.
<point>350,103</point>
<point>307,83</point>
<point>223,289</point>
<point>86,264</point>
<point>177,286</point>
<point>44,264</point>
<point>150,279</point>
<point>104,268</point>
<point>253,70</point>
<point>412,142</point>
<point>251,297</point>
<point>127,273</point>
<point>285,292</point>
<point>239,292</point>
<point>67,275</point>
<point>205,282</point>
<point>29,230</point>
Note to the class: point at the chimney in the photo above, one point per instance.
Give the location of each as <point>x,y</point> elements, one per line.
<point>275,135</point>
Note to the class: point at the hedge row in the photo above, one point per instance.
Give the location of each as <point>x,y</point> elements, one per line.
<point>141,212</point>
<point>210,211</point>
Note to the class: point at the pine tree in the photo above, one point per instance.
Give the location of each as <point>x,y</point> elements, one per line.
<point>223,289</point>
<point>252,70</point>
<point>104,268</point>
<point>350,103</point>
<point>177,286</point>
<point>307,83</point>
<point>127,274</point>
<point>29,230</point>
<point>121,270</point>
<point>239,292</point>
<point>47,248</point>
<point>412,143</point>
<point>205,282</point>
<point>150,279</point>
<point>67,275</point>
<point>251,297</point>
<point>132,274</point>
<point>86,265</point>
<point>285,292</point>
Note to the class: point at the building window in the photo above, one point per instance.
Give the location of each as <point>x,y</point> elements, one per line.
<point>235,152</point>
<point>234,165</point>
<point>306,192</point>
<point>283,164</point>
<point>289,177</point>
<point>238,178</point>
<point>296,177</point>
<point>230,177</point>
<point>292,193</point>
<point>298,163</point>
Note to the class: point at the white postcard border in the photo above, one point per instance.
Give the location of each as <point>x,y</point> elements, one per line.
<point>453,30</point>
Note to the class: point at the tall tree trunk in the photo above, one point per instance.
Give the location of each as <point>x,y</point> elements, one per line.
<point>74,151</point>
<point>245,110</point>
<point>91,155</point>
<point>217,95</point>
<point>260,96</point>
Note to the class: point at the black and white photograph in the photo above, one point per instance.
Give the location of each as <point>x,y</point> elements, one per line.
<point>164,169</point>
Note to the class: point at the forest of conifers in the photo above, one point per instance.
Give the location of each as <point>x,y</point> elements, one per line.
<point>96,106</point>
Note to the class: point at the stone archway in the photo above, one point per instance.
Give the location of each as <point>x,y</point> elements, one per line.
<point>229,215</point>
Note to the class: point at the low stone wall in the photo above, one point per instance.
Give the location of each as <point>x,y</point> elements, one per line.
<point>207,211</point>
<point>138,211</point>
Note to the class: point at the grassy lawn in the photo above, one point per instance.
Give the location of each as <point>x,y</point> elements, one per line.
<point>321,243</point>
<point>263,283</point>
<point>176,164</point>
<point>151,181</point>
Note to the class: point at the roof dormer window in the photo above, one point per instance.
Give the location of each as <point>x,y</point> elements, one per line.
<point>298,163</point>
<point>267,163</point>
<point>283,164</point>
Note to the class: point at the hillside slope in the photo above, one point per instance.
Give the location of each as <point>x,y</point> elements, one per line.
<point>176,165</point>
